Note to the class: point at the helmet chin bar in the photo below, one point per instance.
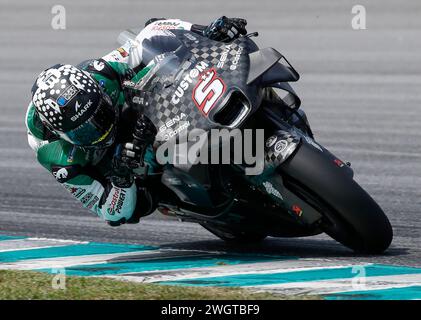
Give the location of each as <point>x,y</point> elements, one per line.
<point>103,145</point>
<point>108,142</point>
<point>97,132</point>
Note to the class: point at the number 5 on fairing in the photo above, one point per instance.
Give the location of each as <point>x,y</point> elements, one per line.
<point>208,90</point>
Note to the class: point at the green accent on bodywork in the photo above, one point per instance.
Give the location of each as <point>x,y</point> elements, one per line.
<point>142,73</point>
<point>34,123</point>
<point>123,69</point>
<point>150,159</point>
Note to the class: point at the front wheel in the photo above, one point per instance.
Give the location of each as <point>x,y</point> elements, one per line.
<point>350,215</point>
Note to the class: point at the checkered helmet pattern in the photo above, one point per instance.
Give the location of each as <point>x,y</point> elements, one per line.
<point>62,93</point>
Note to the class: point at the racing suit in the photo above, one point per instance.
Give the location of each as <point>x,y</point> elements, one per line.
<point>86,174</point>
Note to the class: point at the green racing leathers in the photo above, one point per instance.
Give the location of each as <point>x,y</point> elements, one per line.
<point>85,173</point>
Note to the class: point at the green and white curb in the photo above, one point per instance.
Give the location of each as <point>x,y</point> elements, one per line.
<point>333,279</point>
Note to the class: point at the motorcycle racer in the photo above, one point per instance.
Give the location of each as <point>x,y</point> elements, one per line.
<point>84,133</point>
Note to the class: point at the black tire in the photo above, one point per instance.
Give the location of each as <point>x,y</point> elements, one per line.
<point>350,215</point>
<point>234,237</point>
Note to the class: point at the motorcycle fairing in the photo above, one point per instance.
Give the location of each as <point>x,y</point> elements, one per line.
<point>186,187</point>
<point>266,69</point>
<point>172,96</point>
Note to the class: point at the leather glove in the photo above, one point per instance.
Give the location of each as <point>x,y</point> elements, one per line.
<point>130,155</point>
<point>143,136</point>
<point>226,29</point>
<point>146,205</point>
<point>122,171</point>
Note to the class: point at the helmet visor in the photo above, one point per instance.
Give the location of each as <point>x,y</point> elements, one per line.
<point>98,131</point>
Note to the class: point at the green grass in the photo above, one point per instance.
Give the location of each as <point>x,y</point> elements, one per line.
<point>29,285</point>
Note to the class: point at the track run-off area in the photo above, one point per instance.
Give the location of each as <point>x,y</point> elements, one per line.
<point>329,278</point>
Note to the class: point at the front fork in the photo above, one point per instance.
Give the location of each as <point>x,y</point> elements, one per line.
<point>279,147</point>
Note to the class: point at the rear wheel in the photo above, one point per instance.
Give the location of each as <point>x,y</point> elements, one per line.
<point>350,215</point>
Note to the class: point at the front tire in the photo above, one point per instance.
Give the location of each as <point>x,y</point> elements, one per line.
<point>350,215</point>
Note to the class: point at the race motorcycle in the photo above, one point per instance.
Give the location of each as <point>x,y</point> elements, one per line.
<point>303,190</point>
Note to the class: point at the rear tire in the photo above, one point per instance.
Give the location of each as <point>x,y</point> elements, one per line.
<point>350,215</point>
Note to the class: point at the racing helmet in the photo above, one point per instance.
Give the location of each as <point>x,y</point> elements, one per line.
<point>72,105</point>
